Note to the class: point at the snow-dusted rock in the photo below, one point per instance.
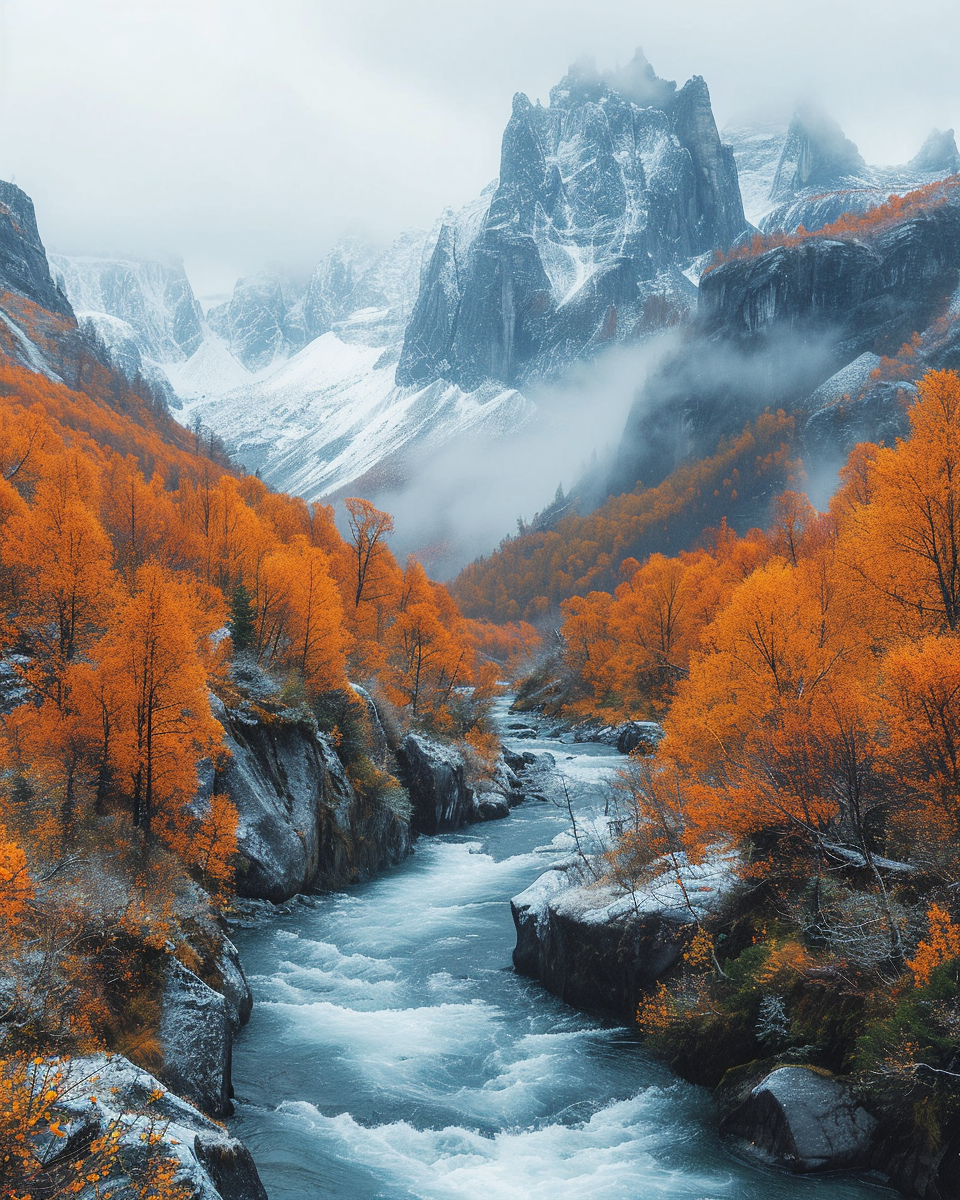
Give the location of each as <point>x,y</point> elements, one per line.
<point>435,776</point>
<point>233,985</point>
<point>600,196</point>
<point>153,297</point>
<point>213,1164</point>
<point>643,735</point>
<point>596,946</point>
<point>491,806</point>
<point>805,1121</point>
<point>196,1037</point>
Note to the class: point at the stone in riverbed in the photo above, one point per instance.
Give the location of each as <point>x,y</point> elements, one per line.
<point>492,807</point>
<point>197,1040</point>
<point>598,947</point>
<point>644,736</point>
<point>804,1121</point>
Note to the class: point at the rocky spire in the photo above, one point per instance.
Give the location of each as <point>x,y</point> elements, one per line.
<point>938,154</point>
<point>816,154</point>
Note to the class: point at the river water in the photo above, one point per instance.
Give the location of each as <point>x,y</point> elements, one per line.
<point>393,1052</point>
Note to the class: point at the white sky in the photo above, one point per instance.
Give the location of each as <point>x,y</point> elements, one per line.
<point>242,133</point>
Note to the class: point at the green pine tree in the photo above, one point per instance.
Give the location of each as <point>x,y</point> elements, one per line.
<point>243,616</point>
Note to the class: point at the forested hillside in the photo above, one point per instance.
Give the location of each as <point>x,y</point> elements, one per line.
<point>134,570</point>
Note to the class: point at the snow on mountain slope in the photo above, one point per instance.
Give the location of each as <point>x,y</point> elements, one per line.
<point>808,173</point>
<point>333,413</point>
<point>211,371</point>
<point>154,297</point>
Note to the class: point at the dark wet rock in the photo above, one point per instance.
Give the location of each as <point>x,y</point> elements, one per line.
<point>805,1121</point>
<point>507,782</point>
<point>232,984</point>
<point>643,735</point>
<point>197,1039</point>
<point>301,823</point>
<point>23,259</point>
<point>491,806</point>
<point>435,776</point>
<point>597,947</point>
<point>217,1166</point>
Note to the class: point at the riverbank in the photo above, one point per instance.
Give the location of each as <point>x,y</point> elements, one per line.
<point>394,1052</point>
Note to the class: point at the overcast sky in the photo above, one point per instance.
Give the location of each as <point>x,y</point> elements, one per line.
<point>244,133</point>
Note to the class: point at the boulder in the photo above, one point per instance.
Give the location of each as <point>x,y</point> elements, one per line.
<point>491,806</point>
<point>596,946</point>
<point>507,782</point>
<point>805,1121</point>
<point>233,985</point>
<point>644,736</point>
<point>196,1037</point>
<point>302,825</point>
<point>213,1164</point>
<point>435,777</point>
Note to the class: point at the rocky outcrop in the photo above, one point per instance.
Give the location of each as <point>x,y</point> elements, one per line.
<point>302,825</point>
<point>213,1164</point>
<point>260,322</point>
<point>805,1121</point>
<point>23,259</point>
<point>938,155</point>
<point>599,198</point>
<point>232,984</point>
<point>196,1036</point>
<point>435,777</point>
<point>773,327</point>
<point>644,736</point>
<point>816,154</point>
<point>597,947</point>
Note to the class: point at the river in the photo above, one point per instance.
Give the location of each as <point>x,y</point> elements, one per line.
<point>393,1052</point>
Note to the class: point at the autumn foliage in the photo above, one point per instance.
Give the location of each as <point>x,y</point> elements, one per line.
<point>127,561</point>
<point>808,681</point>
<point>530,575</point>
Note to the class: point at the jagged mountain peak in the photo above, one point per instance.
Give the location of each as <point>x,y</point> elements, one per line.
<point>637,82</point>
<point>816,153</point>
<point>599,195</point>
<point>938,153</point>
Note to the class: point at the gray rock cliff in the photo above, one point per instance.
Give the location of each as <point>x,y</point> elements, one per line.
<point>599,197</point>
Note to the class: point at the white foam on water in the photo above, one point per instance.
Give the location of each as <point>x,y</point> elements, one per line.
<point>611,1156</point>
<point>379,1039</point>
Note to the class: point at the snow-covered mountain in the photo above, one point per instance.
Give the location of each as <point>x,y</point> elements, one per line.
<point>592,235</point>
<point>152,296</point>
<point>604,198</point>
<point>809,173</point>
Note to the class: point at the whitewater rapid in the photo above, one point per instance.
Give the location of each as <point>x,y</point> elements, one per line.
<point>393,1053</point>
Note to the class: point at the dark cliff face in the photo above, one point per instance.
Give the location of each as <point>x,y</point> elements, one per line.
<point>772,328</point>
<point>816,154</point>
<point>23,260</point>
<point>598,194</point>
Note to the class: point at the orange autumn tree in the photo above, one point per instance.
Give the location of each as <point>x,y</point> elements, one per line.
<point>903,538</point>
<point>163,724</point>
<point>762,704</point>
